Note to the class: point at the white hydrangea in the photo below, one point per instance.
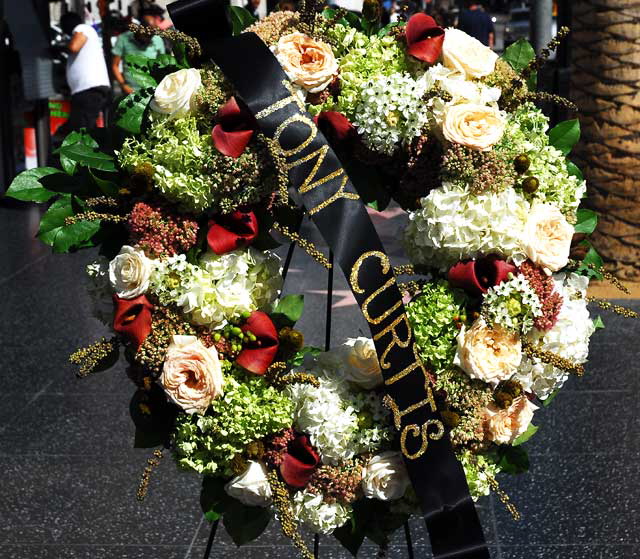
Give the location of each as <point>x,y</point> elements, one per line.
<point>318,516</point>
<point>454,224</point>
<point>222,287</point>
<point>512,304</point>
<point>99,290</point>
<point>569,338</point>
<point>391,111</point>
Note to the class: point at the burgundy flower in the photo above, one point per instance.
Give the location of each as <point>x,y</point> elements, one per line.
<point>133,318</point>
<point>424,38</point>
<point>234,129</point>
<point>335,126</point>
<point>299,462</point>
<point>232,231</point>
<point>257,356</point>
<point>477,276</point>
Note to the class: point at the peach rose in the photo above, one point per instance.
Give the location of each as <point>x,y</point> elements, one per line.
<point>503,426</point>
<point>547,237</point>
<point>465,54</point>
<point>307,62</point>
<point>488,353</point>
<point>475,126</point>
<point>191,375</point>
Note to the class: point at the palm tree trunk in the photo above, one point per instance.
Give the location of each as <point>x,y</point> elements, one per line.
<point>605,85</point>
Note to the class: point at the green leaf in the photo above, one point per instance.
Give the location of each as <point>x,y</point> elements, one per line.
<point>298,358</point>
<point>565,135</point>
<point>75,137</point>
<point>350,536</point>
<point>598,324</point>
<point>214,500</point>
<point>244,524</point>
<point>142,78</point>
<point>587,221</point>
<point>108,188</point>
<point>385,30</point>
<point>26,186</point>
<point>76,235</point>
<point>329,13</point>
<point>54,218</point>
<point>137,60</point>
<point>519,54</point>
<point>61,237</point>
<point>240,19</point>
<point>591,260</point>
<point>513,459</point>
<point>531,430</point>
<point>574,170</point>
<point>89,157</point>
<point>289,309</point>
<point>547,401</point>
<point>131,110</point>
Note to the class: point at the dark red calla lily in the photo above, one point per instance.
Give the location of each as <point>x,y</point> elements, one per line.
<point>477,276</point>
<point>299,462</point>
<point>257,356</point>
<point>132,318</point>
<point>234,130</point>
<point>424,38</point>
<point>232,231</point>
<point>335,127</point>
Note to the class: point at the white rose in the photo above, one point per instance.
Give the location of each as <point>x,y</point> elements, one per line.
<point>503,426</point>
<point>251,487</point>
<point>467,55</point>
<point>307,62</point>
<point>361,365</point>
<point>547,237</point>
<point>191,374</point>
<point>129,272</point>
<point>175,94</point>
<point>385,477</point>
<point>476,126</point>
<point>491,354</point>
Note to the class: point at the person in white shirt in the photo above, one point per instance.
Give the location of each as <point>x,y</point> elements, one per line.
<point>87,74</point>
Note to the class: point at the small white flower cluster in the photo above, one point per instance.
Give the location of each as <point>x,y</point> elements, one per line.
<point>512,304</point>
<point>454,224</point>
<point>99,290</point>
<point>319,516</point>
<point>222,287</point>
<point>391,111</point>
<point>569,338</point>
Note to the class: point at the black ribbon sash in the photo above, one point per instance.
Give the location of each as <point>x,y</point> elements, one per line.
<point>340,215</point>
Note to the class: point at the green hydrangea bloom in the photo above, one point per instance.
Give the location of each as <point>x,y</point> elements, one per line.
<point>362,58</point>
<point>526,133</point>
<point>477,469</point>
<point>249,410</point>
<point>432,317</point>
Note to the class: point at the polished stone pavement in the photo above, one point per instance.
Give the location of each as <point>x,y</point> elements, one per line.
<point>69,473</point>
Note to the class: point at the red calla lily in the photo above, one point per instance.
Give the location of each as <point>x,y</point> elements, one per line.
<point>232,231</point>
<point>234,130</point>
<point>257,356</point>
<point>299,462</point>
<point>477,276</point>
<point>424,38</point>
<point>133,318</point>
<point>335,126</point>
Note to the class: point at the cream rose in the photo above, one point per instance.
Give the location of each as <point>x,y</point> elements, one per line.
<point>252,486</point>
<point>547,237</point>
<point>385,477</point>
<point>465,54</point>
<point>361,363</point>
<point>307,62</point>
<point>503,426</point>
<point>488,354</point>
<point>129,272</point>
<point>175,94</point>
<point>191,375</point>
<point>475,126</point>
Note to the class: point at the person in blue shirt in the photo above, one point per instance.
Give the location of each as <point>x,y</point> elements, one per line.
<point>476,22</point>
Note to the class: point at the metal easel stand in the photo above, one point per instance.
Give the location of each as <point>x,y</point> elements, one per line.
<point>327,346</point>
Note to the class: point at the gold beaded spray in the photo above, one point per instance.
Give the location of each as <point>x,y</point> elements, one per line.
<point>552,358</point>
<point>152,464</point>
<point>90,357</point>
<point>192,45</point>
<point>307,246</point>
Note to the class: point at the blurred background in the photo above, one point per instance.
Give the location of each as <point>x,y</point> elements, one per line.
<point>69,471</point>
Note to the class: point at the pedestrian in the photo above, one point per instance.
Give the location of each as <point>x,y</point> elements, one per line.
<point>128,43</point>
<point>476,22</point>
<point>87,74</point>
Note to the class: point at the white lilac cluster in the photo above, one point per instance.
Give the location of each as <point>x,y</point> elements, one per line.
<point>569,338</point>
<point>318,515</point>
<point>391,111</point>
<point>99,290</point>
<point>512,304</point>
<point>221,287</point>
<point>454,224</point>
